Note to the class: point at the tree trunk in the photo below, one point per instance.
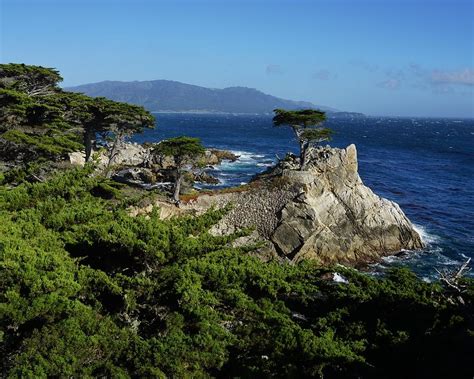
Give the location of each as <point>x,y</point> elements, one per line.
<point>113,152</point>
<point>88,143</point>
<point>303,149</point>
<point>177,186</point>
<point>298,131</point>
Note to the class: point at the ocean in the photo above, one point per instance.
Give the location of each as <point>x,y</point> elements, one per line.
<point>426,165</point>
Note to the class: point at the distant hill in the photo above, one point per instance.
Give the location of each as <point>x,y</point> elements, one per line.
<point>167,95</point>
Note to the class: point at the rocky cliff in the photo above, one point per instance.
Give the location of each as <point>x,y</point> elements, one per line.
<point>324,212</point>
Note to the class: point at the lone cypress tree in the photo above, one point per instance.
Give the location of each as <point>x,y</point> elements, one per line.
<point>304,124</point>
<point>181,149</point>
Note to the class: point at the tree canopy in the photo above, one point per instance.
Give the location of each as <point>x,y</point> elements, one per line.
<point>305,126</point>
<point>32,80</point>
<point>181,149</point>
<point>317,135</point>
<point>39,120</point>
<point>299,118</point>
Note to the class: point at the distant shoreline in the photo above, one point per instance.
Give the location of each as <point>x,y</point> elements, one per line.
<point>213,113</point>
<point>330,115</point>
<point>205,112</point>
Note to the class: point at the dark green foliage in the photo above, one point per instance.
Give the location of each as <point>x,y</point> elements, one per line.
<point>301,118</point>
<point>304,124</point>
<point>181,149</point>
<point>87,290</point>
<point>33,80</point>
<point>39,120</point>
<point>317,135</point>
<point>48,145</point>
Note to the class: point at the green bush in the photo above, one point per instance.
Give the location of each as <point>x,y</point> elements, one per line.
<point>88,291</point>
<point>48,144</point>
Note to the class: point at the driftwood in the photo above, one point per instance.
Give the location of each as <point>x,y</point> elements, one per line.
<point>451,279</point>
<point>37,178</point>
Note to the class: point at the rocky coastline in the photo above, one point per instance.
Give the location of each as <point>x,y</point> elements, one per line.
<point>135,165</point>
<point>322,213</point>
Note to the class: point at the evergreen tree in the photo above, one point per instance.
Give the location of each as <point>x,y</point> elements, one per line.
<point>304,124</point>
<point>36,114</point>
<point>182,150</point>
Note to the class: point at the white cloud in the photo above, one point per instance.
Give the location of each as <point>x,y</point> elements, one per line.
<point>462,77</point>
<point>438,81</point>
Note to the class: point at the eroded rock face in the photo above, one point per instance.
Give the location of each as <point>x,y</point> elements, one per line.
<point>338,218</point>
<point>324,212</point>
<point>131,154</point>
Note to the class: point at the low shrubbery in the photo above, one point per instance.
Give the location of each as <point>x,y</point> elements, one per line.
<point>85,289</point>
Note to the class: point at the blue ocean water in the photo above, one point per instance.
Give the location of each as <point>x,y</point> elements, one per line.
<point>425,165</point>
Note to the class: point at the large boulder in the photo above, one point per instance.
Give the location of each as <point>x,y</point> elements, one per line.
<point>324,212</point>
<point>131,154</point>
<point>338,218</point>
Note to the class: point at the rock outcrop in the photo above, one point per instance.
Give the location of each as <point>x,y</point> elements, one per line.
<point>133,154</point>
<point>134,164</point>
<point>324,212</point>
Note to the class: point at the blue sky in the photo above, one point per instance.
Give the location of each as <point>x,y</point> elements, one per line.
<point>380,57</point>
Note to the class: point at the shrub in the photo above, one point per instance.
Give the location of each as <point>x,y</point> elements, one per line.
<point>87,290</point>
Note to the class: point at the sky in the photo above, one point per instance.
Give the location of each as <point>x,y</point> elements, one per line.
<point>379,57</point>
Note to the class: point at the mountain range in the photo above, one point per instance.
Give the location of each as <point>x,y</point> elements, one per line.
<point>172,96</point>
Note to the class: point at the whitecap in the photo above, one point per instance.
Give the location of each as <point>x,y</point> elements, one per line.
<point>390,259</point>
<point>426,237</point>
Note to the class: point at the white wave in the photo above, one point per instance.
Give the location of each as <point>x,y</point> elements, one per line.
<point>242,154</point>
<point>247,156</point>
<point>390,259</point>
<point>428,238</point>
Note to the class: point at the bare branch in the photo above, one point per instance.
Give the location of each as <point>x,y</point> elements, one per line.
<point>451,278</point>
<point>463,268</point>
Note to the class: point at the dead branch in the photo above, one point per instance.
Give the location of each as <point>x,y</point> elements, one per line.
<point>463,269</point>
<point>451,278</point>
<point>38,179</point>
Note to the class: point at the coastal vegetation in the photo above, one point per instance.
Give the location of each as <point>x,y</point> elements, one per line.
<point>181,150</point>
<point>305,125</point>
<point>41,122</point>
<point>88,290</point>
